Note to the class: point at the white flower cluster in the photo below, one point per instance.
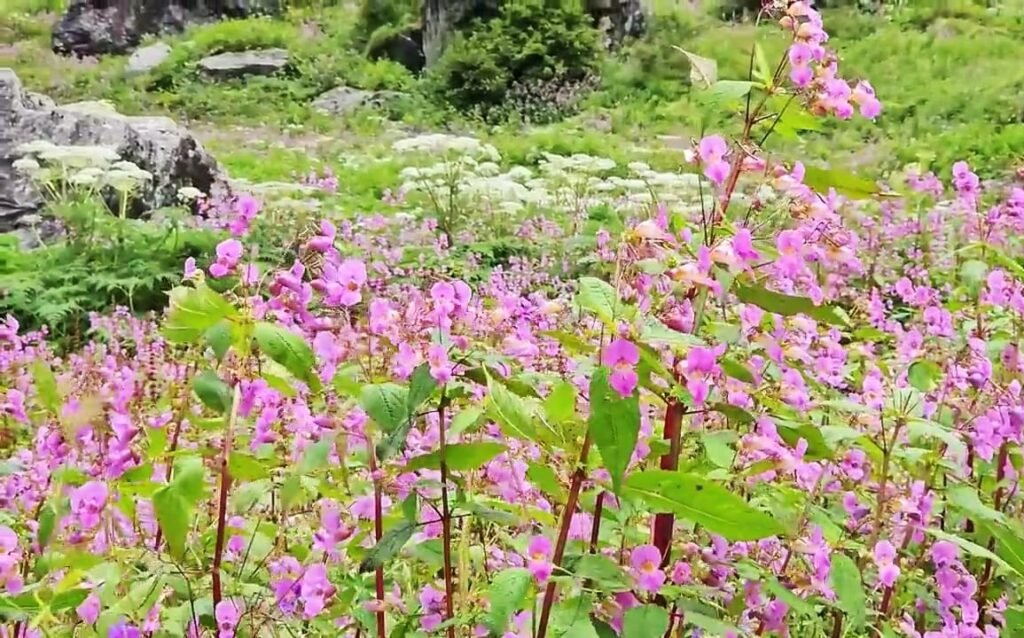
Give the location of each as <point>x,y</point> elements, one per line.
<point>442,144</point>
<point>80,166</point>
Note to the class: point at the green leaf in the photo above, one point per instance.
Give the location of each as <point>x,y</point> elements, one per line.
<point>460,457</point>
<point>713,626</point>
<point>966,499</point>
<point>655,332</point>
<point>817,448</point>
<point>571,619</point>
<point>1009,545</point>
<point>560,404</point>
<point>410,507</point>
<point>291,489</point>
<point>718,447</point>
<point>316,455</point>
<point>288,349</point>
<point>388,546</point>
<point>697,499</point>
<point>46,386</point>
<point>464,421</point>
<point>569,341</point>
<point>47,521</point>
<point>972,549</point>
<point>386,404</point>
<point>787,305</point>
<point>603,571</point>
<point>545,478</point>
<point>507,592</point>
<point>174,516</point>
<point>736,370</point>
<point>703,71</point>
<point>734,413</point>
<point>732,89</point>
<point>189,478</point>
<point>599,297</point>
<point>924,375</point>
<point>212,391</point>
<point>795,603</point>
<point>973,273</point>
<point>193,311</point>
<point>845,577</point>
<point>421,386</point>
<point>845,183</point>
<point>246,467</point>
<point>614,425</point>
<point>219,338</point>
<point>514,415</point>
<point>646,621</point>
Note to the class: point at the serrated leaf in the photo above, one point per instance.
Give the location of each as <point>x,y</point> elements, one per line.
<point>193,311</point>
<point>421,386</point>
<point>219,338</point>
<point>460,457</point>
<point>289,350</point>
<point>702,501</point>
<point>46,386</point>
<point>47,521</point>
<point>736,370</point>
<point>817,448</point>
<point>315,456</point>
<point>174,516</point>
<point>543,477</point>
<point>386,404</point>
<point>507,592</point>
<point>560,404</point>
<point>390,543</point>
<point>602,571</point>
<point>732,89</point>
<point>246,467</point>
<point>514,415</point>
<point>1009,545</point>
<point>971,548</point>
<point>212,391</point>
<point>571,619</point>
<point>599,297</point>
<point>845,183</point>
<point>846,582</point>
<point>924,375</point>
<point>703,71</point>
<point>787,305</point>
<point>965,498</point>
<point>645,621</point>
<point>614,425</point>
<point>464,421</point>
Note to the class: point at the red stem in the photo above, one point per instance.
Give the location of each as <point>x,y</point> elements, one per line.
<point>222,505</point>
<point>663,523</point>
<point>563,534</point>
<point>378,532</point>
<point>446,524</point>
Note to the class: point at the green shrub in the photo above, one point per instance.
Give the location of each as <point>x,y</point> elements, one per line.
<point>377,14</point>
<point>652,66</point>
<point>540,43</point>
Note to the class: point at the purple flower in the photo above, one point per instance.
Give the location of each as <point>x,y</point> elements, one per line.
<point>88,501</point>
<point>440,366</point>
<point>343,283</point>
<point>621,356</point>
<point>89,610</point>
<point>646,563</point>
<point>314,590</point>
<point>227,614</point>
<point>123,630</point>
<point>539,558</point>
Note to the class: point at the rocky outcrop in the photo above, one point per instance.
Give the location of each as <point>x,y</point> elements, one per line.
<point>236,64</point>
<point>155,144</point>
<point>147,58</point>
<point>95,27</point>
<point>345,99</point>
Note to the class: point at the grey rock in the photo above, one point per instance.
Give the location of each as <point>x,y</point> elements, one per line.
<point>442,18</point>
<point>344,99</point>
<point>620,19</point>
<point>148,58</point>
<point>95,27</point>
<point>239,63</point>
<point>156,144</point>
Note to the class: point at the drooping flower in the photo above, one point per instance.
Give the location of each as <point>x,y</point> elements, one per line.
<point>712,150</point>
<point>621,356</point>
<point>539,558</point>
<point>646,568</point>
<point>315,590</point>
<point>227,613</point>
<point>89,610</point>
<point>88,501</point>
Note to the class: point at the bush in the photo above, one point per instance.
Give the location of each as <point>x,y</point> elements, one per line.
<point>394,14</point>
<point>544,43</point>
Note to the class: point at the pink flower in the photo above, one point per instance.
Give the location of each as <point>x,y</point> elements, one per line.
<point>711,151</point>
<point>621,356</point>
<point>539,558</point>
<point>190,267</point>
<point>315,590</point>
<point>88,501</point>
<point>440,366</point>
<point>89,610</point>
<point>229,252</point>
<point>342,284</point>
<point>646,563</point>
<point>227,614</point>
<point>432,602</point>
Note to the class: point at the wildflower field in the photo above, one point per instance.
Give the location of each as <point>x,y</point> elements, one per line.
<point>451,384</point>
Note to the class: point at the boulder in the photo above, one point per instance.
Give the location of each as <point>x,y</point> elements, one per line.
<point>147,58</point>
<point>240,63</point>
<point>155,144</point>
<point>344,99</point>
<point>95,27</point>
<point>402,46</point>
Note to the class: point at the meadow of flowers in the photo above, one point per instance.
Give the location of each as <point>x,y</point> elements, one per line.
<point>775,400</point>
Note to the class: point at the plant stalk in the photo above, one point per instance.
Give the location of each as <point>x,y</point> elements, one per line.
<point>446,522</point>
<point>225,486</point>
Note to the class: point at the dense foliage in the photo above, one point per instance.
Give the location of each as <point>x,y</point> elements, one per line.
<point>556,396</point>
